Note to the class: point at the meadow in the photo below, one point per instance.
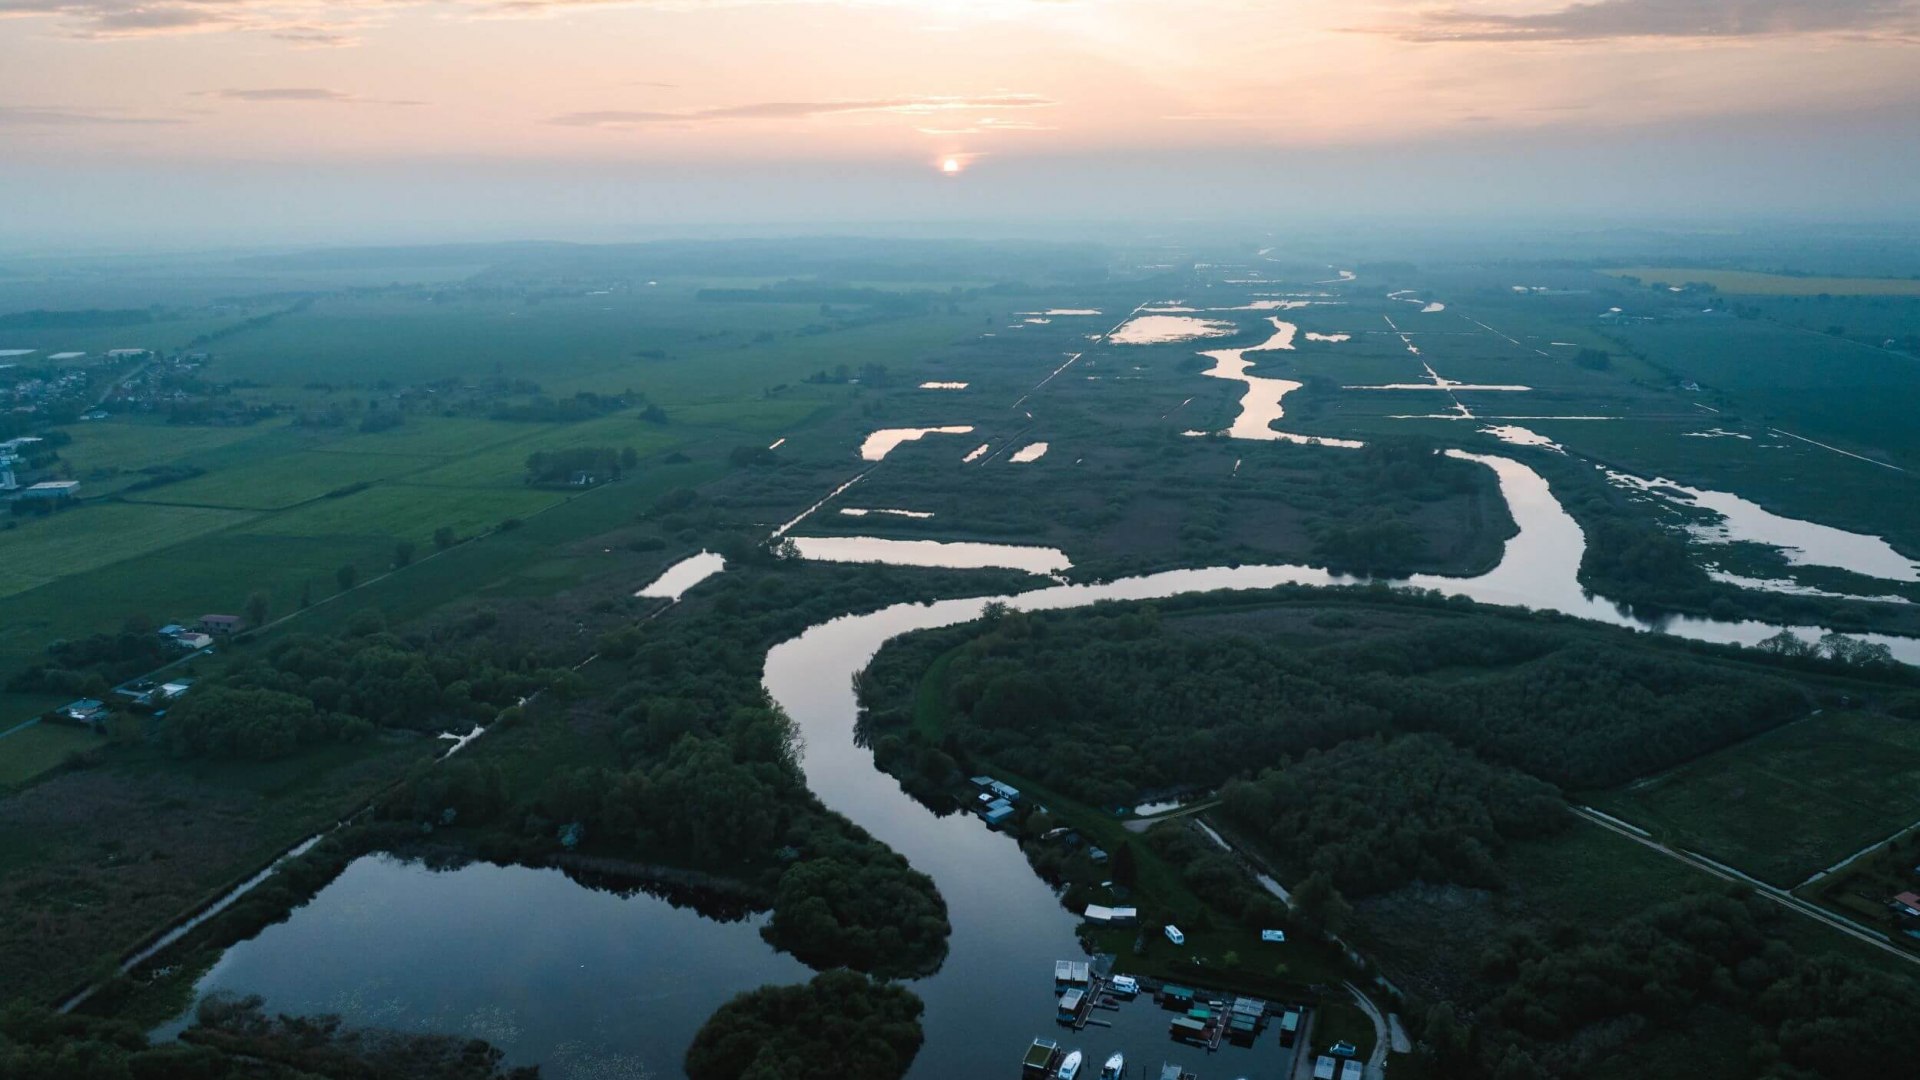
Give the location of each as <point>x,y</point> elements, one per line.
<point>1787,803</point>
<point>31,751</point>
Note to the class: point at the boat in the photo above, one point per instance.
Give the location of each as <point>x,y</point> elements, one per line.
<point>1038,1064</point>
<point>1069,1066</point>
<point>1115,1067</point>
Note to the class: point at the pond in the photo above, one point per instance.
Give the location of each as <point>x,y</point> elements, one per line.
<point>581,981</point>
<point>591,984</point>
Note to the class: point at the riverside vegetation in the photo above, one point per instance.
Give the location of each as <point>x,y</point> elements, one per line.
<point>394,471</point>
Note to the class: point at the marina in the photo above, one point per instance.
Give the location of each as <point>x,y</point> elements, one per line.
<point>1089,994</point>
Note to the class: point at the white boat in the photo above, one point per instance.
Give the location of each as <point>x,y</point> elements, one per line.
<point>1069,1066</point>
<point>1115,1067</point>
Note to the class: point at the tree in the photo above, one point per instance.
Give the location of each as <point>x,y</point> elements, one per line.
<point>840,1026</point>
<point>306,595</point>
<point>347,576</point>
<point>1319,905</point>
<point>257,608</point>
<point>443,537</point>
<point>629,457</point>
<point>1126,868</point>
<point>402,553</point>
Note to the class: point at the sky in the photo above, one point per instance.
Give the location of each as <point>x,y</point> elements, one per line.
<point>299,120</point>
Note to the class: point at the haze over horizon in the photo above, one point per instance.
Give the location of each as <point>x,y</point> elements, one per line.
<point>250,121</point>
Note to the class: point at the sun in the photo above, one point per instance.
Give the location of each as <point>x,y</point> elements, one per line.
<point>950,166</point>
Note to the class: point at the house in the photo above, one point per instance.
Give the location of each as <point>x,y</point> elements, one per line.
<point>85,710</point>
<point>219,624</point>
<point>172,629</point>
<point>170,690</point>
<point>191,641</point>
<point>53,489</point>
<point>1187,1029</point>
<point>1352,1070</point>
<point>1908,904</point>
<point>997,813</point>
<point>1324,1068</point>
<point>1273,935</point>
<point>1111,916</point>
<point>1005,791</point>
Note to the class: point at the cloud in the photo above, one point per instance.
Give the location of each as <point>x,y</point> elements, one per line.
<point>1602,20</point>
<point>301,94</point>
<point>311,22</point>
<point>800,110</point>
<point>38,116</point>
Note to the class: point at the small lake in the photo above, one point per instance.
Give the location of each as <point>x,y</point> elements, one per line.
<point>590,984</point>
<point>1161,329</point>
<point>583,982</point>
<point>950,554</point>
<point>881,443</point>
<point>684,575</point>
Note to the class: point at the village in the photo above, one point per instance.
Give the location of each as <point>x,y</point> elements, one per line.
<point>153,693</point>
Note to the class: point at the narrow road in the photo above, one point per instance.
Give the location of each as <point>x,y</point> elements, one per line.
<point>1776,894</point>
<point>1382,1038</point>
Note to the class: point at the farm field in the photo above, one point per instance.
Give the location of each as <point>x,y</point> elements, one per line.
<point>28,752</point>
<point>1760,284</point>
<point>1787,803</point>
<point>68,545</point>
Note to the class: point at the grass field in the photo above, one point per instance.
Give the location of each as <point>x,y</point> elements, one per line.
<point>1789,802</point>
<point>31,751</point>
<point>1758,284</point>
<point>70,544</point>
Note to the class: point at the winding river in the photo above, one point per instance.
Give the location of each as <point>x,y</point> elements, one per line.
<point>623,982</point>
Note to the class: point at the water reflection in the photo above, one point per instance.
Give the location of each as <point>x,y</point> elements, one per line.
<point>1803,543</point>
<point>1161,329</point>
<point>528,959</point>
<point>684,575</point>
<point>951,554</point>
<point>881,443</point>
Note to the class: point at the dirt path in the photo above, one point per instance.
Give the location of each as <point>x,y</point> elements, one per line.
<point>1382,1037</point>
<point>1776,894</point>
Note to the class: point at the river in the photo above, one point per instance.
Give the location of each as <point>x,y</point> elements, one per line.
<point>587,983</point>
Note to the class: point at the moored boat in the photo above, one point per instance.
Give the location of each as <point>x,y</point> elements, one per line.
<point>1115,1068</point>
<point>1069,1066</point>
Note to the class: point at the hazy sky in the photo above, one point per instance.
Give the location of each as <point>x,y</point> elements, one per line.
<point>319,118</point>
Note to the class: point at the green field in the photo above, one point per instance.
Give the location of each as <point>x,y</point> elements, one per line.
<point>1753,283</point>
<point>1790,802</point>
<point>70,544</point>
<point>28,752</point>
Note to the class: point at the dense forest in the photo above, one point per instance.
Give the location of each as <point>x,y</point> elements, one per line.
<point>1569,997</point>
<point>661,761</point>
<point>840,1026</point>
<point>1362,743</point>
<point>235,1039</point>
<point>1373,814</point>
<point>1111,704</point>
<point>305,690</point>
